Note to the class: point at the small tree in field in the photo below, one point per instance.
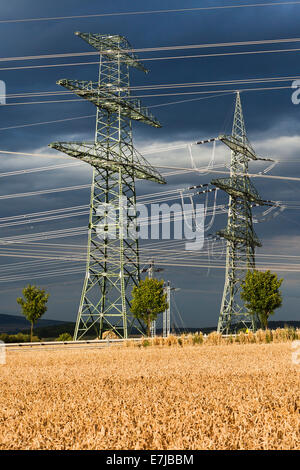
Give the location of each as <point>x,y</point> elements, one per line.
<point>33,305</point>
<point>64,337</point>
<point>261,294</point>
<point>148,300</point>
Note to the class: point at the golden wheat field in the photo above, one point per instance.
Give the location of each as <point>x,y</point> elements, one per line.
<point>242,396</point>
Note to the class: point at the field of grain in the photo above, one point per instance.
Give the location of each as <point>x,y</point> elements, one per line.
<point>242,396</point>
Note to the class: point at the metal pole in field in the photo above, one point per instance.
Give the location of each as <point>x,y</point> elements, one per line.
<point>167,313</point>
<point>153,323</point>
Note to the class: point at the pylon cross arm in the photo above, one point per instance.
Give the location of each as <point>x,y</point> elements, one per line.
<point>239,186</point>
<point>96,155</point>
<point>113,46</point>
<point>109,98</point>
<point>238,146</point>
<point>240,237</point>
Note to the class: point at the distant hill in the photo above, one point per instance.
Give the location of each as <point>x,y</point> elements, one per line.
<point>12,324</point>
<point>272,325</point>
<point>51,332</point>
<point>281,324</point>
<point>50,329</point>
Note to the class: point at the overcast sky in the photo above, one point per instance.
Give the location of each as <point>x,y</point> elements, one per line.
<point>272,122</point>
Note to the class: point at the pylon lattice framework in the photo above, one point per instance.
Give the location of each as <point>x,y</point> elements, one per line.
<point>112,263</point>
<point>239,233</point>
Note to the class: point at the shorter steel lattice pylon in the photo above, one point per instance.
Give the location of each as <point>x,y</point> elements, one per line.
<point>239,233</point>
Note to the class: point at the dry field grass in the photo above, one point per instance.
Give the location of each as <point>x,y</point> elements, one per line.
<point>197,397</point>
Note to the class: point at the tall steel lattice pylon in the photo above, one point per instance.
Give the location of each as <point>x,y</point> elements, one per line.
<point>239,233</point>
<point>113,252</point>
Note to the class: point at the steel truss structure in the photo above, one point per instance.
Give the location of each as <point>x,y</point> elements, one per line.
<point>113,253</point>
<point>239,233</point>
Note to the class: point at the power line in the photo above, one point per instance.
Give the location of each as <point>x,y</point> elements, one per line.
<point>46,191</point>
<point>46,122</point>
<point>71,232</point>
<point>69,188</point>
<point>163,86</point>
<point>158,86</point>
<point>148,12</point>
<point>221,92</point>
<point>38,218</point>
<point>223,54</point>
<point>70,257</point>
<point>9,152</point>
<point>38,169</point>
<point>212,91</point>
<point>154,49</point>
<point>215,83</point>
<point>162,246</point>
<point>189,100</point>
<point>257,175</point>
<point>71,164</point>
<point>40,102</point>
<point>70,271</point>
<point>55,257</point>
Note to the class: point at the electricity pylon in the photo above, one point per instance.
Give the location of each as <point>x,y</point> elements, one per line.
<point>113,253</point>
<point>239,233</point>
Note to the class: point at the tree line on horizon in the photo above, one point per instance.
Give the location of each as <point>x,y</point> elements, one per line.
<point>260,292</point>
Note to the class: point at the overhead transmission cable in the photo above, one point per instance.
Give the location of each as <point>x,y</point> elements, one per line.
<point>46,122</point>
<point>151,12</point>
<point>223,92</point>
<point>157,86</point>
<point>154,49</point>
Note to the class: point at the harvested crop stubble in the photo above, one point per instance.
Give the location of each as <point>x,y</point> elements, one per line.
<point>208,397</point>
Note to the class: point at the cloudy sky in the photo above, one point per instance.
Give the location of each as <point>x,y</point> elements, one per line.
<point>187,115</point>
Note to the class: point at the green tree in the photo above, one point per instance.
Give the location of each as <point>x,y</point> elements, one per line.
<point>148,300</point>
<point>261,294</point>
<point>64,337</point>
<point>33,305</point>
